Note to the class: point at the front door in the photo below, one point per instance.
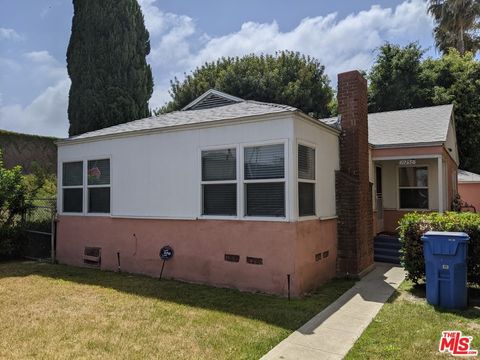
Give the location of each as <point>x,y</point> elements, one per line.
<point>379,197</point>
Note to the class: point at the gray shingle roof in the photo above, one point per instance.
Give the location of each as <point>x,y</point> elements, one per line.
<point>403,127</point>
<point>422,125</point>
<point>187,117</point>
<point>466,176</point>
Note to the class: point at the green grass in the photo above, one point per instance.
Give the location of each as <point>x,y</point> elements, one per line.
<point>408,328</point>
<point>60,312</point>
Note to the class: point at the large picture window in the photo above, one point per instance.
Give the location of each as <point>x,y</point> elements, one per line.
<point>264,180</point>
<point>219,182</point>
<point>72,187</point>
<point>306,181</point>
<point>98,186</point>
<point>413,187</point>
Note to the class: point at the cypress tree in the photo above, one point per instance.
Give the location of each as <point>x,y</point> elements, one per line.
<point>106,62</point>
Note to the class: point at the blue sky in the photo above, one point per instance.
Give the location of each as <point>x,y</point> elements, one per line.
<point>342,34</point>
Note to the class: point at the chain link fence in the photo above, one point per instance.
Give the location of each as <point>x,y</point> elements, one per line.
<point>39,225</point>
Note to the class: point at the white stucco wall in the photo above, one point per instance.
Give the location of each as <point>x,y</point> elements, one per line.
<point>158,175</point>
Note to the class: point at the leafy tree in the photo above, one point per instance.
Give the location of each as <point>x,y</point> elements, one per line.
<point>396,79</point>
<point>401,79</point>
<point>457,23</point>
<point>106,61</point>
<point>284,78</point>
<point>456,79</point>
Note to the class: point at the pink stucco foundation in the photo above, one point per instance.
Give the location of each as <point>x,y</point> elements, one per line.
<point>306,250</point>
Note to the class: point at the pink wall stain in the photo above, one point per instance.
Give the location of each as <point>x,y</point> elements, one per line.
<point>200,247</point>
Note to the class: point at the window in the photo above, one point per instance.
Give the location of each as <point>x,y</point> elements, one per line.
<point>306,180</point>
<point>219,182</point>
<point>264,180</point>
<point>98,186</point>
<point>413,187</point>
<point>72,187</point>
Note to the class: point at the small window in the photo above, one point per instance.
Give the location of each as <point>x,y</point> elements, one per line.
<point>219,182</point>
<point>413,187</point>
<point>72,187</point>
<point>98,186</point>
<point>264,181</point>
<point>306,181</point>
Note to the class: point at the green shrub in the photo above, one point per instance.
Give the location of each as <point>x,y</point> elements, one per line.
<point>414,225</point>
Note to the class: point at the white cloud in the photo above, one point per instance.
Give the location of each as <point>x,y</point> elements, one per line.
<point>9,34</point>
<point>45,115</point>
<point>178,47</point>
<point>42,56</point>
<point>340,44</point>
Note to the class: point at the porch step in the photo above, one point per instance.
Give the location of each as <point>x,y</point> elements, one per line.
<point>387,248</point>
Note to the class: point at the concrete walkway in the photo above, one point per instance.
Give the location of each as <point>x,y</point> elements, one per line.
<point>332,333</point>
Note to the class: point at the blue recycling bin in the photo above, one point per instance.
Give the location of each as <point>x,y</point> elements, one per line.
<point>446,268</point>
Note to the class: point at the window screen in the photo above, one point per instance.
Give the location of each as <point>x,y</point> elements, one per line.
<point>99,200</point>
<point>98,174</point>
<point>306,180</point>
<point>265,162</point>
<point>306,199</point>
<point>220,199</point>
<point>73,200</point>
<point>265,199</point>
<point>306,162</point>
<point>219,182</point>
<point>72,173</point>
<point>72,183</point>
<point>413,187</point>
<point>219,165</point>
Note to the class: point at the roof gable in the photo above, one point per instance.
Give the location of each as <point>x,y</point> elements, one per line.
<point>412,126</point>
<point>212,98</point>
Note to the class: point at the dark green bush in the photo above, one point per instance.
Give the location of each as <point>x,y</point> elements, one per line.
<point>414,225</point>
<point>11,242</point>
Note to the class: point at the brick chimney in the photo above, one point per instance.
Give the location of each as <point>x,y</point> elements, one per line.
<point>353,188</point>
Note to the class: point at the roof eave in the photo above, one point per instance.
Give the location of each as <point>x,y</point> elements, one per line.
<point>213,123</point>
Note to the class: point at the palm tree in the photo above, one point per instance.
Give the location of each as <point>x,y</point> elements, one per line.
<point>457,24</point>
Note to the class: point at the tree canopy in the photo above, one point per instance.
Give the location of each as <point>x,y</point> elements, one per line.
<point>456,24</point>
<point>396,80</point>
<point>106,62</point>
<point>402,79</point>
<point>285,78</point>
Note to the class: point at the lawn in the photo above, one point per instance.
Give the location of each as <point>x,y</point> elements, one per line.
<point>55,311</point>
<point>408,328</point>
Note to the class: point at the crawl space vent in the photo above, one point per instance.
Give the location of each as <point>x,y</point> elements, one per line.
<point>92,256</point>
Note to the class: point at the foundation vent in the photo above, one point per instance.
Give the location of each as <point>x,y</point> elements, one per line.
<point>232,258</point>
<point>325,254</point>
<point>254,260</point>
<point>318,257</point>
<point>92,256</point>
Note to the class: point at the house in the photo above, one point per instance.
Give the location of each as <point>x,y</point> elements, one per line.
<point>469,189</point>
<point>251,195</point>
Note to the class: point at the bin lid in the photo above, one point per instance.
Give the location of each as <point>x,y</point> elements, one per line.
<point>444,242</point>
<point>449,234</point>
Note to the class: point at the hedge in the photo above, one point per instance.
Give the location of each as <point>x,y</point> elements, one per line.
<point>413,225</point>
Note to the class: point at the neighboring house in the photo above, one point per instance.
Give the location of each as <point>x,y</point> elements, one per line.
<point>469,188</point>
<point>251,195</point>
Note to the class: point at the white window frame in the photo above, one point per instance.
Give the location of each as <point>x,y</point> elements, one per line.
<point>62,187</point>
<point>399,188</point>
<point>299,180</point>
<point>87,187</point>
<point>284,180</point>
<point>219,182</point>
